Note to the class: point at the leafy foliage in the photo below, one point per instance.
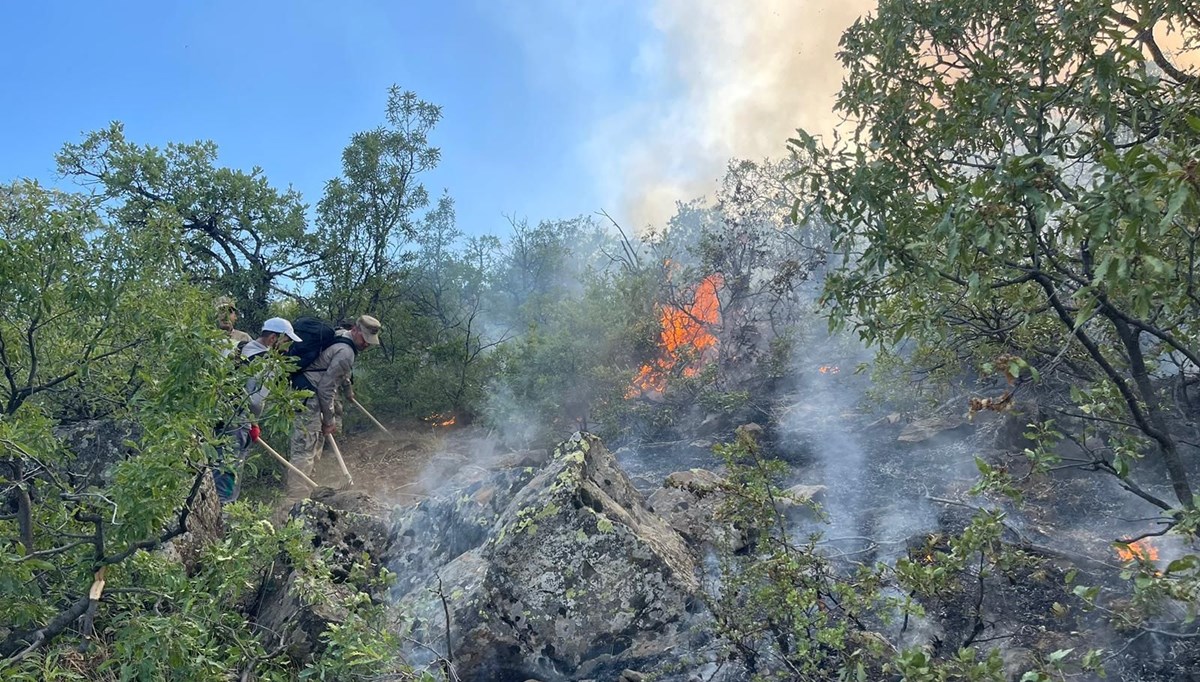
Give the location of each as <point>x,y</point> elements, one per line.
<point>107,313</point>
<point>369,213</point>
<point>1015,208</point>
<point>239,235</point>
<point>1019,182</point>
<point>785,611</point>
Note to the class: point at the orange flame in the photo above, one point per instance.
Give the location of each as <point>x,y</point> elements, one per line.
<point>1141,550</point>
<point>683,329</point>
<point>440,420</point>
<point>829,369</point>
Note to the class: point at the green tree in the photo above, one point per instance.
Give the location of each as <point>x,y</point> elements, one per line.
<point>1020,192</point>
<point>241,236</point>
<point>368,215</point>
<point>1018,197</point>
<point>579,304</point>
<point>80,295</point>
<point>92,311</point>
<point>438,361</point>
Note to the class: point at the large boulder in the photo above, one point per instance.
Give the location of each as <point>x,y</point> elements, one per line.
<point>355,533</point>
<point>576,579</point>
<point>456,520</point>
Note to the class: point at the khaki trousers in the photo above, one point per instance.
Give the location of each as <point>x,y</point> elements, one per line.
<point>306,444</point>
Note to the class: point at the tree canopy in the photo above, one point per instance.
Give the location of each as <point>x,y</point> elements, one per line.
<point>1021,182</point>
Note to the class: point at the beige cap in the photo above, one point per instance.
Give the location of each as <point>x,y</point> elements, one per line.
<point>369,327</point>
<point>224,302</point>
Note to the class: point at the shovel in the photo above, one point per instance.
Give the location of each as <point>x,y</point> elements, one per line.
<point>289,465</point>
<point>341,462</point>
<point>370,416</point>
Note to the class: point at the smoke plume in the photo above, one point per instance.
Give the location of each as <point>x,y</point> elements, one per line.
<point>744,76</point>
<point>740,78</point>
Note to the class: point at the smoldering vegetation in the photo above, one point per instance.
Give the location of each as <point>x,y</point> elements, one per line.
<point>916,403</point>
<point>665,343</point>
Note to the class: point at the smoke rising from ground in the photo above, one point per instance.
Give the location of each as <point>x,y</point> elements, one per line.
<point>743,77</point>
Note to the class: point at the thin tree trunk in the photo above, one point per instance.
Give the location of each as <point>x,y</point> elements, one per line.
<point>1167,446</point>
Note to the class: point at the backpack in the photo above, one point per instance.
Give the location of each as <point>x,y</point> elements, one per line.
<point>315,336</point>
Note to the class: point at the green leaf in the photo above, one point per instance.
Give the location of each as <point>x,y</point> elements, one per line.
<point>1060,654</point>
<point>1121,466</point>
<point>1184,563</point>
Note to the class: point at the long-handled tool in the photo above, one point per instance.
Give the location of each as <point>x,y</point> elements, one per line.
<point>341,462</point>
<point>370,416</point>
<point>289,465</point>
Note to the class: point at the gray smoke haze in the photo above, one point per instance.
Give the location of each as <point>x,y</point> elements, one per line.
<point>743,77</point>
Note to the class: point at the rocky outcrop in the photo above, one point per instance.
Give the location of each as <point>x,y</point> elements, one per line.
<point>354,532</point>
<point>455,521</point>
<point>571,576</point>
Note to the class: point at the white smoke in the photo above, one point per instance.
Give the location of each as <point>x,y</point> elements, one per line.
<point>734,81</point>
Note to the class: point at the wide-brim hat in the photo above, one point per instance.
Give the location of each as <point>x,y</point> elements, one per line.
<point>369,327</point>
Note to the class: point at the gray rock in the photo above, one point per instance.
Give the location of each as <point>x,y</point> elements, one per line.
<point>701,482</point>
<point>294,616</point>
<point>98,445</point>
<point>690,502</point>
<point>801,496</point>
<point>455,521</point>
<point>576,579</point>
<point>924,429</point>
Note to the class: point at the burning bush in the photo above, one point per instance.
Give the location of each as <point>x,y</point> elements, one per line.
<point>686,340</point>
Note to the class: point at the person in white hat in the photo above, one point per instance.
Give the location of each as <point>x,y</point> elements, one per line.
<point>276,333</point>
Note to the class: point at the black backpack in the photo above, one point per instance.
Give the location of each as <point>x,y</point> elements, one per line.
<point>315,336</point>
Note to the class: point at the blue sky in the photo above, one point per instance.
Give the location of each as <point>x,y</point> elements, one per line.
<point>525,87</point>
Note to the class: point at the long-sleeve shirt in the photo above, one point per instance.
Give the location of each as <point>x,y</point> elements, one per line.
<point>330,370</point>
<point>256,386</point>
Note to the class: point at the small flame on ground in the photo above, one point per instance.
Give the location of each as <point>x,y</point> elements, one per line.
<point>682,329</point>
<point>829,369</point>
<point>440,420</point>
<point>1141,550</point>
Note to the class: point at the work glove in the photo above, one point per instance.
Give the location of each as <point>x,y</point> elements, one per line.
<point>328,429</point>
<point>255,433</point>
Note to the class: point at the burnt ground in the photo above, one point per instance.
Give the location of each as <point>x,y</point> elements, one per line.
<point>881,495</point>
<point>889,484</point>
<point>403,466</point>
<point>397,468</point>
<point>892,481</point>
